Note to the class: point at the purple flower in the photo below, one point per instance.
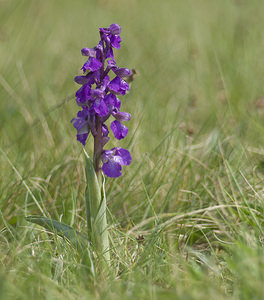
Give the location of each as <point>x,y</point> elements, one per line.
<point>97,97</point>
<point>81,123</point>
<point>97,93</point>
<point>119,130</point>
<point>121,116</point>
<point>115,41</point>
<point>118,86</point>
<point>112,29</point>
<point>111,36</point>
<point>92,64</point>
<point>88,52</point>
<point>111,63</point>
<point>81,79</point>
<point>88,79</point>
<point>82,138</point>
<point>110,100</point>
<point>115,29</point>
<point>109,53</point>
<point>113,160</point>
<point>105,130</point>
<point>83,95</point>
<point>100,107</point>
<point>122,72</point>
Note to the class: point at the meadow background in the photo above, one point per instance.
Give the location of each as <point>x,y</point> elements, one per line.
<point>194,189</point>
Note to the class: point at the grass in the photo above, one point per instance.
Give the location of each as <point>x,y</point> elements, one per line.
<point>195,188</point>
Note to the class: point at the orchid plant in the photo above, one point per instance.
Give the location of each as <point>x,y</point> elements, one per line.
<point>102,82</point>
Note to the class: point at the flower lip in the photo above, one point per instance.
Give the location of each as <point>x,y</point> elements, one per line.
<point>113,160</point>
<point>118,86</point>
<point>112,169</point>
<point>92,64</point>
<point>115,41</point>
<point>119,130</point>
<point>82,138</point>
<point>83,95</point>
<point>100,108</point>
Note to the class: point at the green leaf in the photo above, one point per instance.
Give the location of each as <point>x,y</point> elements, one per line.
<point>95,203</point>
<point>101,219</point>
<point>92,195</point>
<point>75,237</point>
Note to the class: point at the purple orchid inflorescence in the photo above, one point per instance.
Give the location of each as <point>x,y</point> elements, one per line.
<point>98,100</point>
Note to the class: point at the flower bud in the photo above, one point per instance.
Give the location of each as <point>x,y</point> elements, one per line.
<point>115,29</point>
<point>121,116</point>
<point>88,52</point>
<point>122,72</point>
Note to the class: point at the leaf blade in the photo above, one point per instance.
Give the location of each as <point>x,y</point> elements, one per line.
<point>95,203</point>
<point>75,237</point>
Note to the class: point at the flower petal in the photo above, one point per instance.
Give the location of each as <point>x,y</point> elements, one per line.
<point>81,125</point>
<point>97,93</point>
<point>119,130</point>
<point>92,64</point>
<point>115,29</point>
<point>83,95</point>
<point>109,53</point>
<point>100,108</point>
<point>88,52</point>
<point>121,116</point>
<point>124,156</point>
<point>81,122</point>
<point>117,104</point>
<point>87,79</point>
<point>115,41</point>
<point>82,138</point>
<point>105,82</point>
<point>105,130</point>
<point>111,63</point>
<point>104,30</point>
<point>107,154</point>
<point>118,86</point>
<point>112,168</point>
<point>81,79</point>
<point>122,72</point>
